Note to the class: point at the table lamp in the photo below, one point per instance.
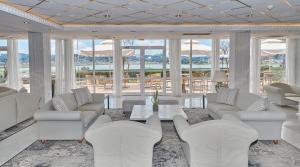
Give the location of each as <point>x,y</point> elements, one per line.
<point>219,77</point>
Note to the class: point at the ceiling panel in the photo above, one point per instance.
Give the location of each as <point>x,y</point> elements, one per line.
<point>161,11</point>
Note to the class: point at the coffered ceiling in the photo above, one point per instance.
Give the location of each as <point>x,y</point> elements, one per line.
<point>69,12</point>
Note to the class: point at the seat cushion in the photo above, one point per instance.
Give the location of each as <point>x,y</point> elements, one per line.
<point>88,117</point>
<point>224,107</point>
<point>98,107</point>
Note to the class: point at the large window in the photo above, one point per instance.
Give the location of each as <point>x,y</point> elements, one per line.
<point>3,61</point>
<point>144,66</point>
<point>24,63</point>
<point>94,64</point>
<point>273,61</point>
<point>196,65</point>
<point>224,55</point>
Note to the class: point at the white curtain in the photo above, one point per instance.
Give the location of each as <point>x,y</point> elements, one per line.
<point>291,61</point>
<point>69,65</point>
<point>13,79</point>
<point>175,70</point>
<point>59,66</point>
<point>255,65</point>
<point>117,60</point>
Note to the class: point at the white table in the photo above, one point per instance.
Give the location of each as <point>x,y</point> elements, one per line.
<point>165,112</point>
<point>296,99</point>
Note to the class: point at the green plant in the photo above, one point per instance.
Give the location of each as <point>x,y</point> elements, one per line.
<point>155,101</point>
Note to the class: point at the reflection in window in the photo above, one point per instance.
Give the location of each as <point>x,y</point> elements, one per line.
<point>224,55</point>
<point>273,64</point>
<point>3,62</point>
<point>24,63</point>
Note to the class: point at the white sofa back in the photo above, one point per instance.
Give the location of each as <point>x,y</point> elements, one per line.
<point>244,100</point>
<point>16,108</point>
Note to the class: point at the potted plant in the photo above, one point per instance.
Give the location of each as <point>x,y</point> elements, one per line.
<point>155,101</point>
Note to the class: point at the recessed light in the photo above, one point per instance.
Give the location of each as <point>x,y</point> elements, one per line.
<point>270,7</point>
<point>26,22</point>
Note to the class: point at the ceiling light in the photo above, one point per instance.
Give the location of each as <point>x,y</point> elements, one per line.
<point>26,22</point>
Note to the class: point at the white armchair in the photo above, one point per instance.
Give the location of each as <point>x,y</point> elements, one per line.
<point>277,93</point>
<point>123,143</point>
<point>216,143</point>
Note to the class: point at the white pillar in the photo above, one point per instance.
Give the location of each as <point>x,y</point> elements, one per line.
<point>297,61</point>
<point>291,61</point>
<point>59,66</point>
<point>118,69</point>
<point>40,65</point>
<point>69,65</point>
<point>215,59</point>
<point>239,60</point>
<point>255,65</point>
<point>175,62</point>
<point>13,79</point>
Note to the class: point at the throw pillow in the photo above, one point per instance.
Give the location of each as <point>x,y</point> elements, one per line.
<point>259,105</point>
<point>59,104</point>
<point>83,96</point>
<point>227,96</point>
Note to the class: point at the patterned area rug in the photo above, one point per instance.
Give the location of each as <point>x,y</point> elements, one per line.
<point>167,153</point>
<point>8,132</point>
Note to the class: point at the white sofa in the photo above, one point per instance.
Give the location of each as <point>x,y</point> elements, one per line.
<point>216,143</point>
<point>267,123</point>
<point>17,107</point>
<point>277,93</point>
<point>71,125</point>
<point>124,143</point>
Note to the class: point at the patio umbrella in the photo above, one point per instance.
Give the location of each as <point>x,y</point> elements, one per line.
<point>198,49</point>
<point>104,49</point>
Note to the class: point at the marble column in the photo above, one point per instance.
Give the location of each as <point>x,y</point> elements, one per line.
<point>239,66</point>
<point>118,69</point>
<point>175,69</point>
<point>255,65</point>
<point>40,65</point>
<point>291,61</point>
<point>13,79</point>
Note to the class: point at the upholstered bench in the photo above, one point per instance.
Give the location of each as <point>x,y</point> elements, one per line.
<point>129,101</point>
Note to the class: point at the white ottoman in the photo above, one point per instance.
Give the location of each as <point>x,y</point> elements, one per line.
<point>129,101</point>
<point>168,100</point>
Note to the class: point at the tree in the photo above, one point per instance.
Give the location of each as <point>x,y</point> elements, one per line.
<point>224,47</point>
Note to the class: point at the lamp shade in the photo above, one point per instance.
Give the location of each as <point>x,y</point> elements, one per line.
<point>219,76</point>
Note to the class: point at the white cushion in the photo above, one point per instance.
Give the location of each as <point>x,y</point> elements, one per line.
<point>227,96</point>
<point>260,105</point>
<point>83,96</point>
<point>59,104</point>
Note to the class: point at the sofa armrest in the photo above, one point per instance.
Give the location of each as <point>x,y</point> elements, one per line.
<point>180,124</point>
<point>211,97</point>
<point>58,116</point>
<point>98,97</point>
<point>273,90</point>
<point>154,123</point>
<point>262,115</point>
<point>296,90</point>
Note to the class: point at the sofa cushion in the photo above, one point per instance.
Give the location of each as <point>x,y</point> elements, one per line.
<point>244,100</point>
<point>227,96</point>
<point>88,117</point>
<point>219,106</point>
<point>83,96</point>
<point>59,104</point>
<point>291,95</point>
<point>261,104</point>
<point>69,100</point>
<point>98,107</point>
<point>221,113</point>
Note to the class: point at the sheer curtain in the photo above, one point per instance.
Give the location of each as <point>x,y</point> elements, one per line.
<point>59,66</point>
<point>255,65</point>
<point>215,59</point>
<point>13,79</point>
<point>69,65</point>
<point>175,63</point>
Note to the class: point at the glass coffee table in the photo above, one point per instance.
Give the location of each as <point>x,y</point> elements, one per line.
<point>165,112</point>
